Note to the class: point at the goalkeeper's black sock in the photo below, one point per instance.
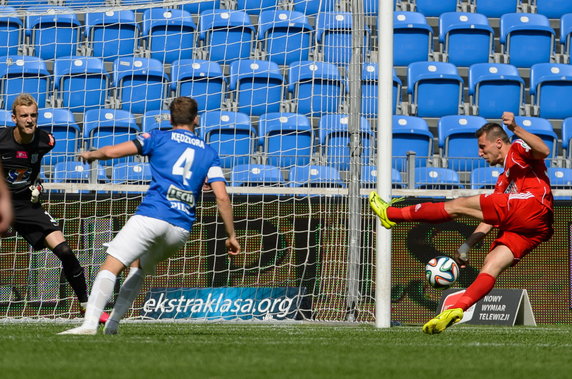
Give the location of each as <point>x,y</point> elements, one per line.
<point>72,270</point>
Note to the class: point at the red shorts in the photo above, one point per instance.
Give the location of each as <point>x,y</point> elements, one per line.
<point>523,221</point>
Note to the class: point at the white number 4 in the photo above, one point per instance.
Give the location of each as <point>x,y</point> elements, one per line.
<point>183,165</point>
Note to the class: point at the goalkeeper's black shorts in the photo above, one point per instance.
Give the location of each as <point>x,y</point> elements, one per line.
<point>32,222</point>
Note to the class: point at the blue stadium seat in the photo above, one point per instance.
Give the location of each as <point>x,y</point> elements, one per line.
<point>317,87</point>
<point>542,128</point>
<point>553,8</point>
<point>84,3</point>
<point>257,86</point>
<point>61,123</point>
<point>111,35</point>
<point>565,34</point>
<point>141,83</point>
<point>199,6</point>
<point>231,134</point>
<point>485,177</point>
<point>313,7</point>
<point>55,33</point>
<point>466,38</point>
<point>495,88</point>
<point>412,38</point>
<point>6,118</point>
<point>202,80</point>
<point>286,139</point>
<point>131,173</point>
<point>369,80</point>
<point>254,7</point>
<point>286,36</point>
<point>315,176</point>
<point>410,134</point>
<point>549,84</point>
<point>256,175</point>
<point>495,8</point>
<point>76,172</point>
<point>435,88</point>
<point>334,137</point>
<point>19,74</point>
<point>19,4</point>
<point>81,83</point>
<point>103,127</point>
<point>11,31</point>
<point>432,8</point>
<point>566,138</point>
<point>168,34</point>
<point>560,178</point>
<point>227,34</point>
<point>437,178</point>
<point>458,143</point>
<point>334,37</point>
<point>157,119</point>
<point>527,38</point>
<point>369,177</point>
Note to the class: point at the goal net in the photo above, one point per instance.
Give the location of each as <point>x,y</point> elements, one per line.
<point>287,95</point>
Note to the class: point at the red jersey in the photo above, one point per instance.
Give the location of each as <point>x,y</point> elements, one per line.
<point>525,175</point>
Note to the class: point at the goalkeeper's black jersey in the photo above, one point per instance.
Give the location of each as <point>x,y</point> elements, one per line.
<point>22,162</point>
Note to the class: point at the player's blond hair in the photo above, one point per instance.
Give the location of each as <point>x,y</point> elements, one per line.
<point>25,100</point>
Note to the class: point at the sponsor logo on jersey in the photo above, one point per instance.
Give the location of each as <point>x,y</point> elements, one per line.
<point>183,138</point>
<point>22,154</point>
<point>177,194</point>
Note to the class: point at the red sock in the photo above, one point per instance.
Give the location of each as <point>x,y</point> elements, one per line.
<point>426,212</point>
<point>476,291</point>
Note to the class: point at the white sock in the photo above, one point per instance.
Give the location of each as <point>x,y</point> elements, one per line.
<point>101,292</point>
<point>127,294</point>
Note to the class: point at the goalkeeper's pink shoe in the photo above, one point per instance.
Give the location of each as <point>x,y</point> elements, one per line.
<point>102,319</point>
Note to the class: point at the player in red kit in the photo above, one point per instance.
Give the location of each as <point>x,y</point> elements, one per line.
<point>521,207</point>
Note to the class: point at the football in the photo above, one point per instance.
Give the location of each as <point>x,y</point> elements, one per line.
<point>441,272</point>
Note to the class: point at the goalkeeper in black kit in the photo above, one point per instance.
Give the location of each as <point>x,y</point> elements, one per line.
<point>21,150</point>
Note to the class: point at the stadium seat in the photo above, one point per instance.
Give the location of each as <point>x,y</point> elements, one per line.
<point>527,38</point>
<point>435,89</point>
<point>84,3</point>
<point>412,38</point>
<point>334,37</point>
<point>137,173</point>
<point>23,74</point>
<point>410,134</point>
<point>81,83</point>
<point>553,8</point>
<point>313,7</point>
<point>157,119</point>
<point>560,178</point>
<point>495,88</point>
<point>286,36</point>
<point>565,34</point>
<point>432,8</point>
<point>76,172</point>
<point>254,7</point>
<point>566,139</point>
<point>495,8</point>
<point>111,35</point>
<point>226,34</point>
<point>436,178</point>
<point>334,137</point>
<point>11,31</point>
<point>465,38</point>
<point>168,34</point>
<point>231,134</point>
<point>103,127</point>
<point>458,142</point>
<point>315,176</point>
<point>256,175</point>
<point>53,34</point>
<point>202,80</point>
<point>549,84</point>
<point>485,177</point>
<point>286,139</point>
<point>257,86</point>
<point>369,177</point>
<point>197,7</point>
<point>61,123</point>
<point>317,87</point>
<point>140,84</point>
<point>542,128</point>
<point>6,118</point>
<point>369,80</point>
<point>19,4</point>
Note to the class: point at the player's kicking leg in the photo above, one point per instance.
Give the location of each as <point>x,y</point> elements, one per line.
<point>127,294</point>
<point>379,206</point>
<point>443,321</point>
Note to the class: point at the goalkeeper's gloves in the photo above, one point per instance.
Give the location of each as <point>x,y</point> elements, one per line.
<point>36,189</point>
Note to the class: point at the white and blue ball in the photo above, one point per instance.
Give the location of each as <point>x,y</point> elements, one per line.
<point>441,272</point>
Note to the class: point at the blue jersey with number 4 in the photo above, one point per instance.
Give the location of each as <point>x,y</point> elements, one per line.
<point>180,164</point>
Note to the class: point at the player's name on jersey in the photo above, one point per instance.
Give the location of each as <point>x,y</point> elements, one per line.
<point>180,137</point>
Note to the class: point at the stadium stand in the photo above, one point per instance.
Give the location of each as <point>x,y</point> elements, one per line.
<point>565,33</point>
<point>255,7</point>
<point>54,33</point>
<point>21,73</point>
<point>412,38</point>
<point>566,139</point>
<point>6,118</point>
<point>255,175</point>
<point>549,84</point>
<point>457,142</point>
<point>334,40</point>
<point>411,134</point>
<point>131,173</point>
<point>313,7</point>
<point>111,34</point>
<point>369,80</point>
<point>494,8</point>
<point>432,8</point>
<point>76,172</point>
<point>200,6</point>
<point>157,119</point>
<point>553,8</point>
<point>485,177</point>
<point>200,79</point>
<point>315,176</point>
<point>369,177</point>
<point>436,178</point>
<point>11,31</point>
<point>542,128</point>
<point>61,123</point>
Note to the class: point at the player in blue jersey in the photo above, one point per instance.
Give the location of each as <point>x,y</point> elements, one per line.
<point>180,164</point>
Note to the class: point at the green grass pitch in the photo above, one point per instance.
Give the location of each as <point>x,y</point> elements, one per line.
<point>159,350</point>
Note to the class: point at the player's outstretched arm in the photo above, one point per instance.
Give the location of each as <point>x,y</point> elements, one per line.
<point>6,211</point>
<point>109,152</point>
<point>225,210</point>
<point>462,254</point>
<point>537,145</point>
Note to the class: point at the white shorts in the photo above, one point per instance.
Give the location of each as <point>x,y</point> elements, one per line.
<point>148,239</point>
